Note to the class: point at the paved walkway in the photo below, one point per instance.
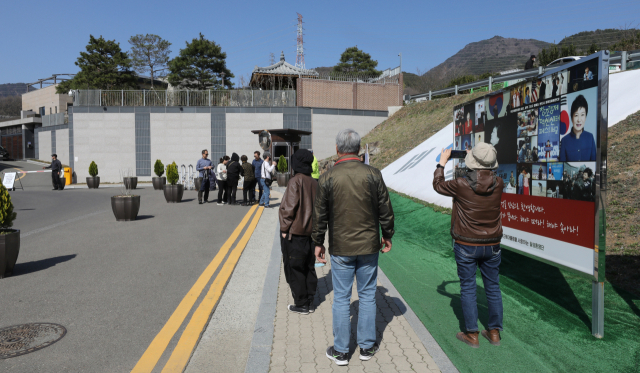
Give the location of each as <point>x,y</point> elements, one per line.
<point>300,341</point>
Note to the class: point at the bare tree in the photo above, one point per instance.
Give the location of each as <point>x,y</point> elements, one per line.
<point>149,53</point>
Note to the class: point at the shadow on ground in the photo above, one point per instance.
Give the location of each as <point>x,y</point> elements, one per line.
<point>40,265</point>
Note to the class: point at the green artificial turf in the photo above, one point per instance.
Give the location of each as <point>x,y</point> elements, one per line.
<point>547,311</point>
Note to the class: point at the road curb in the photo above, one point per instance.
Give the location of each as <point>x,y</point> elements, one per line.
<point>260,353</point>
<point>433,348</point>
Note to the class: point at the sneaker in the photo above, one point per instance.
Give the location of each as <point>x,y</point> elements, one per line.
<point>304,310</point>
<point>367,354</point>
<point>219,203</point>
<point>312,307</point>
<point>224,202</point>
<point>339,357</point>
<point>199,202</point>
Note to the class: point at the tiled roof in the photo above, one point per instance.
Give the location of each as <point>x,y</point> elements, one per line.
<point>284,68</point>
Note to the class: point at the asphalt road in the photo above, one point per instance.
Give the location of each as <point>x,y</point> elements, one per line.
<point>112,285</point>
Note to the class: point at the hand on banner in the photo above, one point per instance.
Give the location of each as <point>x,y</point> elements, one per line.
<point>320,254</point>
<point>445,154</point>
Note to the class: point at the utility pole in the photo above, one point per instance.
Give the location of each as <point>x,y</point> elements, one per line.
<point>400,63</point>
<point>300,44</point>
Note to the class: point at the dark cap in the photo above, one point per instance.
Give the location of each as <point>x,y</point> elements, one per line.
<point>54,155</point>
<point>533,56</point>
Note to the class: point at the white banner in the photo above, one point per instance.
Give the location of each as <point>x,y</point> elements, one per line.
<point>412,174</point>
<point>9,179</point>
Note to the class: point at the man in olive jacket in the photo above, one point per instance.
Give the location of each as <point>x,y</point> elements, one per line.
<point>353,201</point>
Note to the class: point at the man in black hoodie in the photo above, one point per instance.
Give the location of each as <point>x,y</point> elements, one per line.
<point>530,62</point>
<point>234,170</point>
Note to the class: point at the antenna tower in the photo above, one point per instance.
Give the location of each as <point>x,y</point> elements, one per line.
<point>300,45</point>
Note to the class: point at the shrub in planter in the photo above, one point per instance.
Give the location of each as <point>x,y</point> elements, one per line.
<point>173,192</point>
<point>283,174</point>
<point>282,165</point>
<point>94,181</point>
<point>159,181</point>
<point>9,238</point>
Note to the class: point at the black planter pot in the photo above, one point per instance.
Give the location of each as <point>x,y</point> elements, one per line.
<point>130,182</point>
<point>9,250</point>
<point>125,208</point>
<point>158,182</point>
<point>63,182</point>
<point>198,183</point>
<point>93,182</point>
<point>283,179</point>
<point>173,193</point>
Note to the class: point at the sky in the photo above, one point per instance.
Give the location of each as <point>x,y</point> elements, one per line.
<point>40,38</point>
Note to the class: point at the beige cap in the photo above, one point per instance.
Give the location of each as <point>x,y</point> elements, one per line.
<point>482,157</point>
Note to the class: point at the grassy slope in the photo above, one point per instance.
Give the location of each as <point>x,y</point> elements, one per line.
<point>410,126</point>
<point>623,217</point>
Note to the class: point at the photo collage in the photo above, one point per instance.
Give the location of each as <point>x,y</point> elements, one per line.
<point>544,131</point>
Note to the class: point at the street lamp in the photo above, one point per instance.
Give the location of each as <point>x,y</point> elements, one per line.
<point>400,54</point>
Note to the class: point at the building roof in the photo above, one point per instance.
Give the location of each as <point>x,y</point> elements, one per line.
<point>284,68</point>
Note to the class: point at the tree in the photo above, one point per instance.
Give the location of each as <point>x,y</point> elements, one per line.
<point>198,65</point>
<point>103,66</point>
<point>546,56</point>
<point>149,53</point>
<point>631,42</point>
<point>353,60</point>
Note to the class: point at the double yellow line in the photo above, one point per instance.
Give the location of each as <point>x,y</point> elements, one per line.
<point>194,329</point>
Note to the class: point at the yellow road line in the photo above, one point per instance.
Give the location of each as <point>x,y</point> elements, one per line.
<point>191,335</point>
<point>159,344</point>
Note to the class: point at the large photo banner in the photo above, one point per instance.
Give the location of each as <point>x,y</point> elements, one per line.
<point>546,132</point>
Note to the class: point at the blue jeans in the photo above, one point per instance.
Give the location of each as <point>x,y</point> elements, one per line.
<point>488,259</point>
<point>343,270</point>
<point>265,194</point>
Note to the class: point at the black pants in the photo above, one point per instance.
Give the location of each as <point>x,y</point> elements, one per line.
<point>55,179</point>
<point>204,188</point>
<point>222,191</point>
<point>299,268</point>
<point>232,189</point>
<point>248,192</point>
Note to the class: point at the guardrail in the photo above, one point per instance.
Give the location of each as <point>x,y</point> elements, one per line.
<point>239,98</point>
<point>54,119</point>
<point>622,58</point>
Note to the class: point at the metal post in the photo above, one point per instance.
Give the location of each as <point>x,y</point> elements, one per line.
<point>597,309</point>
<point>100,98</point>
<point>429,95</point>
<point>144,98</point>
<point>490,84</point>
<point>400,54</point>
<point>540,70</point>
<point>209,97</point>
<point>623,60</point>
<point>122,97</point>
<point>456,89</point>
<point>166,98</point>
<point>252,98</point>
<point>187,97</point>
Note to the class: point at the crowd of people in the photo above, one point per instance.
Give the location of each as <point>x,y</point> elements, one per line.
<point>580,186</point>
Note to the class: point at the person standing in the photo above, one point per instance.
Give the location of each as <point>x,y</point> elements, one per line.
<point>204,166</point>
<point>353,200</point>
<point>248,183</point>
<point>296,213</point>
<point>55,167</point>
<point>476,228</point>
<point>266,170</point>
<point>257,167</point>
<point>315,170</point>
<point>520,182</point>
<point>221,175</point>
<point>530,62</point>
<point>234,170</point>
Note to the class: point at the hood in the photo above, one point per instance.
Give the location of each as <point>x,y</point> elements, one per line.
<point>481,181</point>
<point>301,162</point>
<point>235,157</point>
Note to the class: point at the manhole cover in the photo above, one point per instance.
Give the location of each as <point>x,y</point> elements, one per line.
<point>26,338</point>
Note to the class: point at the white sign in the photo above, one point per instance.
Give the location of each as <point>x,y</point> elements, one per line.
<point>9,180</point>
<point>412,174</point>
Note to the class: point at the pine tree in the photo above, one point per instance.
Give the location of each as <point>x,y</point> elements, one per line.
<point>103,66</point>
<point>353,60</point>
<point>149,53</point>
<point>199,65</point>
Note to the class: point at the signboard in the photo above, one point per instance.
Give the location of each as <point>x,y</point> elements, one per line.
<point>9,179</point>
<point>550,133</point>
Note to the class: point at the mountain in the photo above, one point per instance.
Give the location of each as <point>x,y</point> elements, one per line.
<point>13,89</point>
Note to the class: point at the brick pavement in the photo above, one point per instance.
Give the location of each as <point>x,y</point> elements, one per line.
<point>300,341</point>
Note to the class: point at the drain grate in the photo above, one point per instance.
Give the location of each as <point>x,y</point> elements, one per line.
<point>26,338</point>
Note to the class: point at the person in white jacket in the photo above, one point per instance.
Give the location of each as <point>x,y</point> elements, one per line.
<point>221,175</point>
<point>265,174</point>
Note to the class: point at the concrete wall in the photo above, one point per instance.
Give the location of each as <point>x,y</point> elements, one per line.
<point>44,145</point>
<point>62,146</point>
<point>48,98</point>
<point>109,140</point>
<point>239,137</point>
<point>325,128</point>
<point>179,138</point>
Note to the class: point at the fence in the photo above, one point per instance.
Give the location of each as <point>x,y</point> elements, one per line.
<point>54,119</point>
<point>356,78</point>
<point>623,58</point>
<point>238,98</point>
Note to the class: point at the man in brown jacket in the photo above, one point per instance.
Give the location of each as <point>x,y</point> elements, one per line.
<point>476,227</point>
<point>296,212</point>
<point>353,202</point>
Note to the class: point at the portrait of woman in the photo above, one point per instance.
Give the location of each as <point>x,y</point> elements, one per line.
<point>527,98</point>
<point>526,184</point>
<point>468,125</point>
<point>579,145</point>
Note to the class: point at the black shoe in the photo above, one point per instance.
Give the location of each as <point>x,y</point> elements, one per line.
<point>339,357</point>
<point>55,189</point>
<point>205,201</point>
<point>304,310</point>
<point>312,307</point>
<point>199,202</point>
<point>367,354</point>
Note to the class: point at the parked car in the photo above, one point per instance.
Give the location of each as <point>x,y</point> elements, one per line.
<point>615,67</point>
<point>4,154</point>
<point>563,60</point>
